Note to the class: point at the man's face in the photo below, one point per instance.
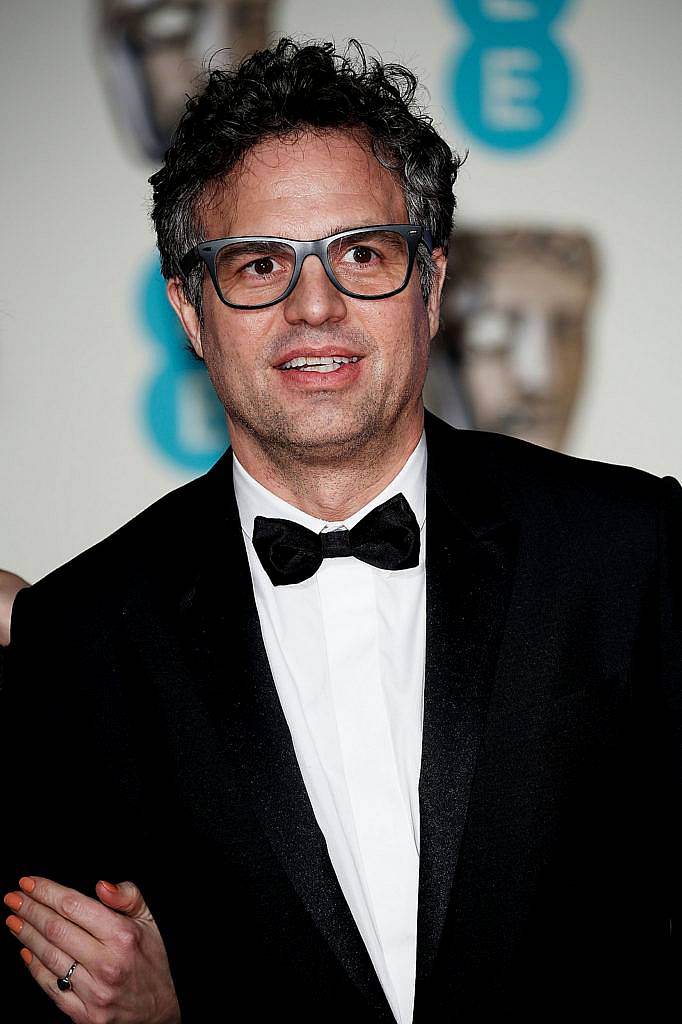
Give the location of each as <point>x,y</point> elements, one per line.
<point>523,348</point>
<point>305,189</point>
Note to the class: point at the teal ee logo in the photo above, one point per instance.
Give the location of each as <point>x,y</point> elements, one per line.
<point>182,415</point>
<point>512,84</point>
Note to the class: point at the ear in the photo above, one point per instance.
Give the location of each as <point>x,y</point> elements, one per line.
<point>186,313</point>
<point>433,305</point>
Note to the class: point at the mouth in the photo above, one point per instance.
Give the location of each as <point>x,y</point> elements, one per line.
<point>318,364</point>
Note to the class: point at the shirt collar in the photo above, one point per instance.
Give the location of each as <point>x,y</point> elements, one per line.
<point>255,500</point>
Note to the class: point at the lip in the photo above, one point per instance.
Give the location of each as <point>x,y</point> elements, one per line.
<point>309,380</point>
<point>309,350</point>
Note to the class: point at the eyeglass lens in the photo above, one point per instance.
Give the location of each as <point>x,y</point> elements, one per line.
<point>366,263</point>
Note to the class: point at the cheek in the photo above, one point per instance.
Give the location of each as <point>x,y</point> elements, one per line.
<point>232,342</point>
<point>407,339</point>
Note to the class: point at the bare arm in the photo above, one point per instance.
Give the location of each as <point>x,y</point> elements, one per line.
<point>10,585</point>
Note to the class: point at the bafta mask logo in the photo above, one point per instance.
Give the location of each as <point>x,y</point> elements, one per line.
<point>153,50</point>
<point>511,354</point>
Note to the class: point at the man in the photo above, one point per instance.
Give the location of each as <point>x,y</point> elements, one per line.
<point>376,740</point>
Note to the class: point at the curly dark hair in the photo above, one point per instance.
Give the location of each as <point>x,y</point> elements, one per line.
<point>293,88</point>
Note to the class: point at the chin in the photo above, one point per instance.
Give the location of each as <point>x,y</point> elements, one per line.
<point>319,439</point>
<point>322,444</point>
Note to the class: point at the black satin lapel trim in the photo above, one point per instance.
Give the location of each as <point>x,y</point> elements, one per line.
<point>468,583</point>
<point>222,619</point>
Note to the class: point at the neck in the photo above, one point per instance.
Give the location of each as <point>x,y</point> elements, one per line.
<point>332,488</point>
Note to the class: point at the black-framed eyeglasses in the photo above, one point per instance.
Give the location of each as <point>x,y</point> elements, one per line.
<point>254,271</point>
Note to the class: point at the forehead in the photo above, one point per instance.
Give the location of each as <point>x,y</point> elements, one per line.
<point>305,186</point>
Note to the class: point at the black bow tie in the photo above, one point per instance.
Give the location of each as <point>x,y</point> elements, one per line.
<point>387,537</point>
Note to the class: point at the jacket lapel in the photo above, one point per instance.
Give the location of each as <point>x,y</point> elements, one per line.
<point>225,632</point>
<point>471,547</point>
<point>470,551</point>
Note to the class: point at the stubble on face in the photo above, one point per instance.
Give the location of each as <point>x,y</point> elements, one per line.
<point>308,188</point>
<point>326,426</point>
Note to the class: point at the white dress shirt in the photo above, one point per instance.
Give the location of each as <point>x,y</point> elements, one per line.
<point>347,649</point>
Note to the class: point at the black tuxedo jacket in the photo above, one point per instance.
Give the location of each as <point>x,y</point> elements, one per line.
<point>144,739</point>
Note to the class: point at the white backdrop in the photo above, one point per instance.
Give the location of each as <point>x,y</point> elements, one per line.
<point>75,458</point>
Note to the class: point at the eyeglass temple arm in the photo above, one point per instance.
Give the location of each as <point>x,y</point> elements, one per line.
<point>427,239</point>
<point>189,261</point>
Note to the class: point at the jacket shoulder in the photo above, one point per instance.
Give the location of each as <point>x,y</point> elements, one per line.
<point>153,554</point>
<point>569,508</point>
<point>521,473</point>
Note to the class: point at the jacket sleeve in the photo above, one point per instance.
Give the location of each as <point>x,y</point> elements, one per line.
<point>670,675</point>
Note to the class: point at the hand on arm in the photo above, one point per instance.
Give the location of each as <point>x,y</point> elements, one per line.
<point>122,971</point>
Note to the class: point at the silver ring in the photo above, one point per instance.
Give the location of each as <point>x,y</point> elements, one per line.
<point>64,984</point>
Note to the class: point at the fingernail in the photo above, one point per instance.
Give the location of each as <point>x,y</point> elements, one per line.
<point>26,955</point>
<point>109,886</point>
<point>13,900</point>
<point>27,884</point>
<point>15,924</point>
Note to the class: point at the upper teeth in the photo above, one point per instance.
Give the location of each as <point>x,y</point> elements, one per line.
<point>317,361</point>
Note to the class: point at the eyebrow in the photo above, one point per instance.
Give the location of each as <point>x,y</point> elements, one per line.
<point>346,227</point>
<point>334,229</point>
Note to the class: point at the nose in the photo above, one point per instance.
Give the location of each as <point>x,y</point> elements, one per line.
<point>531,354</point>
<point>314,300</point>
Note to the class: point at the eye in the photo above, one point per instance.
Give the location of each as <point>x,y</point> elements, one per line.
<point>262,267</point>
<point>361,254</point>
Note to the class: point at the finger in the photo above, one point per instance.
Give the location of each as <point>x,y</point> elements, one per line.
<point>69,1002</point>
<point>55,930</point>
<point>51,957</point>
<point>83,911</point>
<point>126,898</point>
